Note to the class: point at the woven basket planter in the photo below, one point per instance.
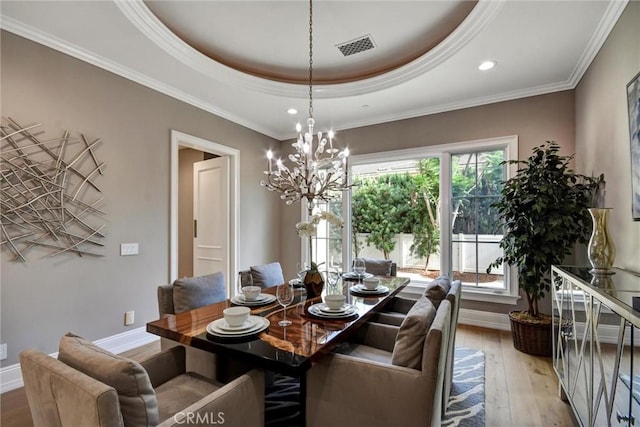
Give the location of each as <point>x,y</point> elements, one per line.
<point>531,338</point>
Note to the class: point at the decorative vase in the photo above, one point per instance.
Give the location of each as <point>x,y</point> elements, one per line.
<point>604,281</point>
<point>602,251</point>
<point>313,283</point>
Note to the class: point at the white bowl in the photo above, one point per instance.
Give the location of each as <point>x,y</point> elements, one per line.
<point>371,283</point>
<point>236,316</point>
<point>334,301</point>
<point>251,292</point>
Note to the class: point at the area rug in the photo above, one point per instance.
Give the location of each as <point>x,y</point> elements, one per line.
<point>281,402</point>
<point>466,403</point>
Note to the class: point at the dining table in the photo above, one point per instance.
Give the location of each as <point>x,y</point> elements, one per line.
<point>290,350</point>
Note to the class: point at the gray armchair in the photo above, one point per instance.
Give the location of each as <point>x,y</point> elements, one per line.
<point>390,376</point>
<point>267,275</point>
<point>398,308</point>
<point>88,386</point>
<point>186,294</point>
<point>380,267</point>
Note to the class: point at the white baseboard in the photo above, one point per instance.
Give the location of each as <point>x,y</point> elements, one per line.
<point>607,334</point>
<point>11,376</point>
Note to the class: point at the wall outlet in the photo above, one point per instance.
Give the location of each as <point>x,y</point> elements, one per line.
<point>129,318</point>
<point>3,351</point>
<point>128,249</point>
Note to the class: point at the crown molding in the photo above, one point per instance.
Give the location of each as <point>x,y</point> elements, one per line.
<point>608,21</point>
<point>443,108</point>
<point>46,39</point>
<point>143,19</point>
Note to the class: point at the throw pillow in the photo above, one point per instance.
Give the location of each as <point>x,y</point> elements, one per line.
<point>438,289</point>
<point>409,345</point>
<point>138,402</point>
<point>378,267</point>
<point>194,292</point>
<point>267,275</point>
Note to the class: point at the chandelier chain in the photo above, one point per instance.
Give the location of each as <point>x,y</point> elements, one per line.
<point>311,58</point>
<point>316,171</point>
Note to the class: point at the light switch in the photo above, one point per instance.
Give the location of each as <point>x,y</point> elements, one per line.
<point>128,249</point>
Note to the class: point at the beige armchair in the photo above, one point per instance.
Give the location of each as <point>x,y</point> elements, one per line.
<point>380,267</point>
<point>368,383</point>
<point>186,294</point>
<point>267,275</point>
<point>88,386</point>
<point>398,308</point>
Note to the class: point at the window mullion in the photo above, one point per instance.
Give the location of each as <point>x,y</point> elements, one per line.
<point>445,213</point>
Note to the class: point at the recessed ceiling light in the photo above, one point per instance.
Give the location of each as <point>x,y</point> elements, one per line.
<point>487,65</point>
<point>292,111</point>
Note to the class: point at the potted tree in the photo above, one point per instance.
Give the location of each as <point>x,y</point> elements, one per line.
<point>544,213</point>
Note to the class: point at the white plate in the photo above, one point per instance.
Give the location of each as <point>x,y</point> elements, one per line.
<point>325,308</point>
<point>250,323</point>
<point>316,310</point>
<point>263,299</point>
<point>260,297</point>
<point>261,324</point>
<point>361,289</point>
<point>352,275</point>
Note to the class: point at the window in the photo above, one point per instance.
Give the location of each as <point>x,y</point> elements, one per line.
<point>327,244</point>
<point>476,181</point>
<point>430,213</point>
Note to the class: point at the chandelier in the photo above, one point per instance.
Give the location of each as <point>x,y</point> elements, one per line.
<point>317,170</point>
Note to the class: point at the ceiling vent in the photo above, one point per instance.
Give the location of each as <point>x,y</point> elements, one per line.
<point>356,46</point>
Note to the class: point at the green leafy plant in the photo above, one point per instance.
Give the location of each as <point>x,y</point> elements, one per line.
<point>544,213</point>
<point>314,268</point>
<point>379,206</point>
<point>422,221</point>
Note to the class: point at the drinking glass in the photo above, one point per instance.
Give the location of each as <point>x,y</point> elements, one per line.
<point>359,267</point>
<point>285,297</point>
<point>242,282</point>
<point>301,270</point>
<point>332,278</point>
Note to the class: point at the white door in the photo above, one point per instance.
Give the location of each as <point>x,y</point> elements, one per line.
<point>211,217</point>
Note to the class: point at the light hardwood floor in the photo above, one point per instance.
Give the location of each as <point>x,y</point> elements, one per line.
<point>521,390</point>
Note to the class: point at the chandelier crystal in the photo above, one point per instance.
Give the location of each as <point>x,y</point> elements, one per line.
<point>317,170</point>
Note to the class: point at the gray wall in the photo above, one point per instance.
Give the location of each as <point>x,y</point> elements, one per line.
<point>46,297</point>
<point>534,120</point>
<point>602,129</point>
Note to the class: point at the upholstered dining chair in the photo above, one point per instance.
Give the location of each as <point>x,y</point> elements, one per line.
<point>89,386</point>
<point>380,267</point>
<point>388,376</point>
<point>267,275</point>
<point>439,289</point>
<point>186,294</point>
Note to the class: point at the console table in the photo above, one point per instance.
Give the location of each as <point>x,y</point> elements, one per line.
<point>594,347</point>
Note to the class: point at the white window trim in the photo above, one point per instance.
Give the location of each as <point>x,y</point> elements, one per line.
<point>511,295</point>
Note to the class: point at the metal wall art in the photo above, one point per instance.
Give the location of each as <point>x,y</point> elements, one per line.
<point>49,196</point>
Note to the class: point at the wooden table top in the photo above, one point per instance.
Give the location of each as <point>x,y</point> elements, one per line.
<point>291,349</point>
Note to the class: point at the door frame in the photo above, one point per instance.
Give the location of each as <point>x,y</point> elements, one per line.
<point>180,139</point>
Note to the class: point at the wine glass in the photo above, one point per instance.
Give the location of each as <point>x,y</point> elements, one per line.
<point>301,270</point>
<point>244,279</point>
<point>285,297</point>
<point>332,278</point>
<point>359,267</point>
